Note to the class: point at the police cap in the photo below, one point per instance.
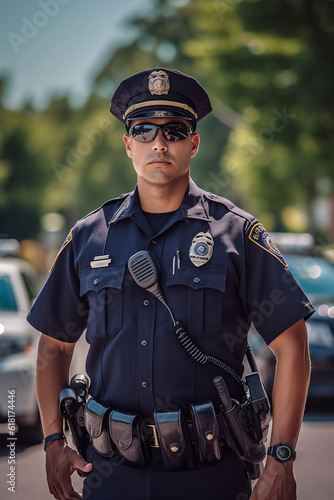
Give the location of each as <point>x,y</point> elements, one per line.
<point>160,93</point>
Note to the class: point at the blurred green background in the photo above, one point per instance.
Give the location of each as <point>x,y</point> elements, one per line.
<point>268,145</point>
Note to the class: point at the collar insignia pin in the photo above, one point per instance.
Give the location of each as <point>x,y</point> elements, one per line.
<point>201,249</point>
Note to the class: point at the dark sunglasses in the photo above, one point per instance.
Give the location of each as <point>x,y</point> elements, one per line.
<point>146,132</point>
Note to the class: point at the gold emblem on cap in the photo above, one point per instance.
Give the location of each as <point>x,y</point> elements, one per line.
<point>158,83</point>
<point>201,249</point>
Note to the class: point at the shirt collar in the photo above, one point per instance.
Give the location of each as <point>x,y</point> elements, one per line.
<point>193,206</point>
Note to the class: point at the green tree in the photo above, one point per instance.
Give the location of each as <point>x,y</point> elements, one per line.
<point>271,62</point>
<point>267,66</point>
<point>22,177</point>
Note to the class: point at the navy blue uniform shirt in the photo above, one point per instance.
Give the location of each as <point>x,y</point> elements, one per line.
<point>135,362</point>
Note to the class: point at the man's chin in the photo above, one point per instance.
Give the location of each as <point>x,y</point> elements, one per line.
<point>162,177</point>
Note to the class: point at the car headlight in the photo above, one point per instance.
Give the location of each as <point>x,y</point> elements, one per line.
<point>320,334</point>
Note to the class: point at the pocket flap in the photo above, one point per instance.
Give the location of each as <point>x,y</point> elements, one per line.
<point>103,277</point>
<point>94,414</point>
<point>121,428</point>
<point>206,276</point>
<point>205,422</point>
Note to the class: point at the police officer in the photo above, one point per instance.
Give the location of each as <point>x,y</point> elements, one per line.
<point>219,272</point>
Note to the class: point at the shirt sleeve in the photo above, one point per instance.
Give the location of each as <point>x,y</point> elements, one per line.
<point>59,311</point>
<point>273,299</point>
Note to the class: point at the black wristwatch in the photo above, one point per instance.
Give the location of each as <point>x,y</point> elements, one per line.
<point>282,452</point>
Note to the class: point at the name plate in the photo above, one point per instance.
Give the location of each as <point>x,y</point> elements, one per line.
<point>100,261</point>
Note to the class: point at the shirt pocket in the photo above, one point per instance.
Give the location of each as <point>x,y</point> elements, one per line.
<point>104,290</point>
<point>195,295</point>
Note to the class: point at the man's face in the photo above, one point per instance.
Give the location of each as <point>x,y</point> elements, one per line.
<point>161,161</point>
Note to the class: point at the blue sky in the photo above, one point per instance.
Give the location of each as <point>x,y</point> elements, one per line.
<point>58,49</point>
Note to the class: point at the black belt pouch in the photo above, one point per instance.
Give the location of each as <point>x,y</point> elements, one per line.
<point>206,433</point>
<point>95,416</point>
<point>173,440</point>
<point>127,434</point>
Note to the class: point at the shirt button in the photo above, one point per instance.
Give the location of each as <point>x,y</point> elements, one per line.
<point>144,343</point>
<point>197,280</point>
<point>146,302</point>
<point>155,241</point>
<point>96,282</point>
<point>144,385</point>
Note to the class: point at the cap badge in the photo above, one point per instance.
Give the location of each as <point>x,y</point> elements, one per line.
<point>201,249</point>
<point>158,83</point>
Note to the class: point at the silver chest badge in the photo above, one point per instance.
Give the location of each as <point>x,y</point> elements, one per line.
<point>201,249</point>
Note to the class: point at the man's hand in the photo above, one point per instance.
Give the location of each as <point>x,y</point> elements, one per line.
<point>61,462</point>
<point>277,482</point>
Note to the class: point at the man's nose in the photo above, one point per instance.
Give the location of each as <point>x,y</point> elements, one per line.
<point>160,143</point>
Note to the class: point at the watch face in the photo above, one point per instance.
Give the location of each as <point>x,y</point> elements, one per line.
<point>283,453</point>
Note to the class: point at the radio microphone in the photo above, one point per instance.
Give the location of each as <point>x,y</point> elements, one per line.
<point>144,269</point>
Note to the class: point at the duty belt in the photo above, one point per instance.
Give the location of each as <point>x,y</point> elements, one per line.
<point>201,438</point>
<point>182,443</point>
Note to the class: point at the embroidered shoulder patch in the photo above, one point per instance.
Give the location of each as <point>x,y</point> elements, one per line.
<point>68,239</point>
<point>260,237</point>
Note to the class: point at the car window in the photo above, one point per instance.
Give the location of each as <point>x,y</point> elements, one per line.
<point>314,275</point>
<point>30,285</point>
<point>7,297</point>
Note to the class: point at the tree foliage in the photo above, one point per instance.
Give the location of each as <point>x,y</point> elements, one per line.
<point>268,68</point>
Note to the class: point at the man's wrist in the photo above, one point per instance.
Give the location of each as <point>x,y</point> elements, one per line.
<point>277,467</point>
<point>56,436</point>
<point>282,452</point>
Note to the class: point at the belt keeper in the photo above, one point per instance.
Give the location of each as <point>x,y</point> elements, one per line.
<point>53,437</point>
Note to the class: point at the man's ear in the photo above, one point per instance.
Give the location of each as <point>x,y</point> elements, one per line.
<point>194,144</point>
<point>127,142</point>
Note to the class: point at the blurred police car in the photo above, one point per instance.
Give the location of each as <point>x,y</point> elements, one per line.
<point>19,285</point>
<point>315,275</point>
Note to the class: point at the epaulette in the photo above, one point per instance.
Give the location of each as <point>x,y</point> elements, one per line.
<point>231,207</point>
<point>121,197</point>
<point>78,223</point>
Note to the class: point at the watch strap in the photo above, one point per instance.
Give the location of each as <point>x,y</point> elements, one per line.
<point>53,437</point>
<point>282,452</point>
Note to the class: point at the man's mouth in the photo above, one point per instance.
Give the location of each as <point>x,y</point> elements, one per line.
<point>163,161</point>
